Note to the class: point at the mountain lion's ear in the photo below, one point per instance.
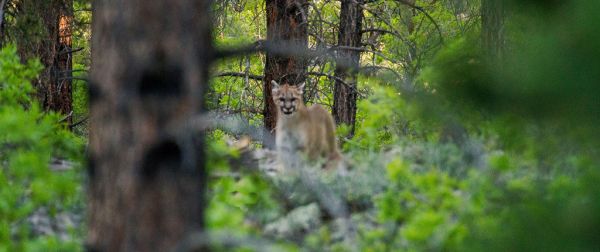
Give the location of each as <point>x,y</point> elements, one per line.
<point>275,85</point>
<point>301,87</point>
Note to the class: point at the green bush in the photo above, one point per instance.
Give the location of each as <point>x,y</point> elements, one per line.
<point>410,190</point>
<point>30,140</point>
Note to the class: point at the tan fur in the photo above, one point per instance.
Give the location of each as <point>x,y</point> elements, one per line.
<point>301,130</point>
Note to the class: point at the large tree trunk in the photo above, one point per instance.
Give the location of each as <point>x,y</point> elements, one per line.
<point>286,23</point>
<point>493,14</point>
<point>54,85</point>
<point>60,88</point>
<point>345,90</point>
<point>149,71</point>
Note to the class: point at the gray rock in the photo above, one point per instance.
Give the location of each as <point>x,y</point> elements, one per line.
<point>300,220</point>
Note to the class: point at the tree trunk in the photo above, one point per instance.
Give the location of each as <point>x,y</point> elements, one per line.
<point>345,92</point>
<point>286,22</point>
<point>60,88</point>
<point>52,47</point>
<point>3,4</point>
<point>410,72</point>
<point>149,71</point>
<point>493,13</point>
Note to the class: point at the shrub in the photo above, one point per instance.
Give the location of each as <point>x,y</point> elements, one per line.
<point>30,140</point>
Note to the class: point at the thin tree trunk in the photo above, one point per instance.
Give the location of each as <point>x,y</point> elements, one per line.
<point>3,4</point>
<point>345,92</point>
<point>149,71</point>
<point>493,14</point>
<point>286,22</point>
<point>410,72</point>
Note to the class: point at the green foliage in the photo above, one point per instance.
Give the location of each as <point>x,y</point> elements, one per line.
<point>29,141</point>
<point>549,73</point>
<point>452,151</point>
<point>238,203</point>
<point>386,117</point>
<point>517,174</point>
<point>81,36</point>
<point>15,88</point>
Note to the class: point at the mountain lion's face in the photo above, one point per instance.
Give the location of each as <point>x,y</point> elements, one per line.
<point>287,98</point>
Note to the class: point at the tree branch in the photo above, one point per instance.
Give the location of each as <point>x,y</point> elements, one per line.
<point>366,70</point>
<point>422,10</point>
<point>78,122</point>
<point>362,49</point>
<point>243,50</point>
<point>386,22</point>
<point>282,48</point>
<point>74,78</point>
<point>328,76</point>
<point>70,51</point>
<point>235,124</point>
<point>64,119</point>
<point>353,88</point>
<point>236,74</point>
<point>369,30</point>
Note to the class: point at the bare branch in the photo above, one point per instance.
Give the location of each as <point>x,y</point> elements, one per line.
<point>362,49</point>
<point>328,76</point>
<point>74,78</point>
<point>243,50</point>
<point>236,74</point>
<point>67,51</point>
<point>78,122</point>
<point>64,119</point>
<point>422,10</point>
<point>234,124</point>
<point>295,50</point>
<point>71,71</point>
<point>370,69</point>
<point>369,30</point>
<point>386,22</point>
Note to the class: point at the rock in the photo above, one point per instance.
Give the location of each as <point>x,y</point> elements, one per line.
<point>60,165</point>
<point>297,222</point>
<point>42,223</point>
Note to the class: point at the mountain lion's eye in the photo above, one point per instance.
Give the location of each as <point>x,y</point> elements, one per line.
<point>293,99</point>
<point>281,99</point>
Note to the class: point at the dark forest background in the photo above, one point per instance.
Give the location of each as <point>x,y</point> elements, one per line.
<point>467,125</point>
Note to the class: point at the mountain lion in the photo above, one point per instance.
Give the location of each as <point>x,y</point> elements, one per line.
<point>308,131</point>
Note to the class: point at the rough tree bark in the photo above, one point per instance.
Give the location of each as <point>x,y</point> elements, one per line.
<point>286,22</point>
<point>60,89</point>
<point>345,94</point>
<point>54,85</point>
<point>3,4</point>
<point>149,72</point>
<point>493,14</point>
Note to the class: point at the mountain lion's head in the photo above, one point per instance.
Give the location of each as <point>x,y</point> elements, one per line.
<point>288,98</point>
